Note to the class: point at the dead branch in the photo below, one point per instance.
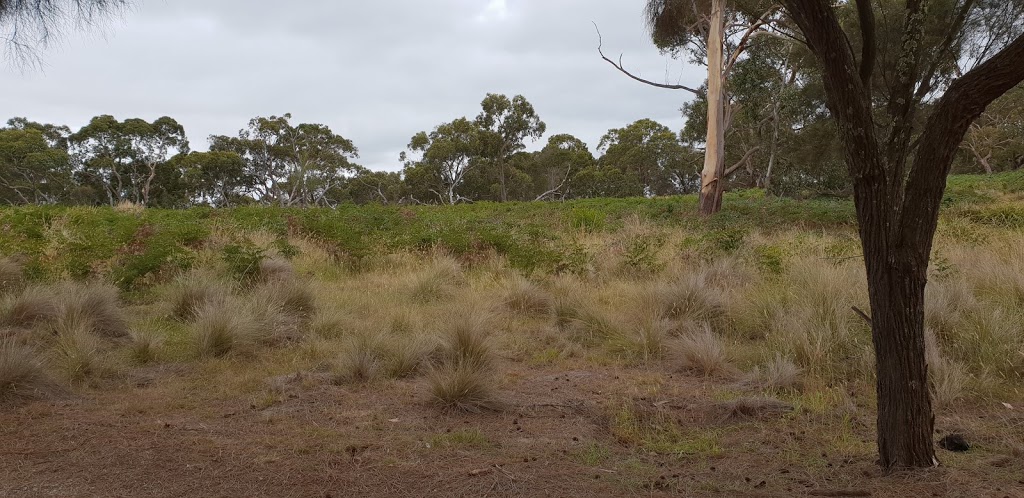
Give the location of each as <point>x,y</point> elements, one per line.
<point>623,70</point>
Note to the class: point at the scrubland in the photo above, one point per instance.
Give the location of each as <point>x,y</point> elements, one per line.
<point>604,347</point>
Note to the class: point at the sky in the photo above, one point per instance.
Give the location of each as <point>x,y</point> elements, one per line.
<point>376,72</point>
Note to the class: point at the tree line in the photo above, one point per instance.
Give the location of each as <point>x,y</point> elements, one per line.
<point>780,137</point>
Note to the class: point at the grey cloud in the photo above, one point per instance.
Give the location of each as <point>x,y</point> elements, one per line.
<point>376,72</point>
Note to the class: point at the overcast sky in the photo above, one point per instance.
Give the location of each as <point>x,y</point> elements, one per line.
<point>375,71</point>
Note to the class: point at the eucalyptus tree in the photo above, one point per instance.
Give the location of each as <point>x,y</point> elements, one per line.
<point>34,166</point>
<point>651,153</point>
<point>445,156</point>
<point>290,165</point>
<point>904,82</point>
<point>505,125</point>
<point>715,33</point>
<point>122,157</point>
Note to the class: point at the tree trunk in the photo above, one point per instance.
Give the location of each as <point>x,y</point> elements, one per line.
<point>767,184</point>
<point>905,422</point>
<point>711,179</point>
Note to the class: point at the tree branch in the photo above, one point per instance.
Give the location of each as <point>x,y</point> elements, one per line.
<point>964,101</point>
<point>869,47</point>
<point>756,25</point>
<point>732,169</point>
<point>623,70</point>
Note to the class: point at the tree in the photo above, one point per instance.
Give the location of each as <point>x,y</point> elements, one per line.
<point>290,165</point>
<point>899,163</point>
<point>996,140</point>
<point>447,154</point>
<point>717,34</point>
<point>505,124</point>
<point>650,152</point>
<point>121,158</point>
<point>555,165</point>
<point>27,25</point>
<point>215,178</point>
<point>34,168</point>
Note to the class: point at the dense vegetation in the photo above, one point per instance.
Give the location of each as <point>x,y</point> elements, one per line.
<point>274,162</point>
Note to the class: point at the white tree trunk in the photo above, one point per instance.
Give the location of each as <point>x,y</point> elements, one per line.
<point>711,178</point>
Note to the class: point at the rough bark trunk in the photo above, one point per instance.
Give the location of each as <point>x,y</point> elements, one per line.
<point>905,422</point>
<point>711,179</point>
<point>898,214</point>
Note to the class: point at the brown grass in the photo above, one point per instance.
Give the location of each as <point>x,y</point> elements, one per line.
<point>702,352</point>
<point>22,375</point>
<point>463,386</point>
<point>195,291</point>
<point>12,278</point>
<point>360,361</point>
<point>524,296</point>
<point>273,270</point>
<point>98,304</point>
<point>33,306</point>
<point>225,328</point>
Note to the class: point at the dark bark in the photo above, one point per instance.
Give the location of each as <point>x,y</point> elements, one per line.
<point>897,219</point>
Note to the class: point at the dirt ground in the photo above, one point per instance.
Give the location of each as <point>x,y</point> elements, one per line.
<point>173,431</point>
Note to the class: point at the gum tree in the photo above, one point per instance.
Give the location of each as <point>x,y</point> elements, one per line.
<point>904,82</point>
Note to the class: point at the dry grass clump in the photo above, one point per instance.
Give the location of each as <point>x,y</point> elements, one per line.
<point>223,328</point>
<point>946,303</point>
<point>702,352</point>
<point>644,341</point>
<point>464,379</point>
<point>97,305</point>
<point>332,323</point>
<point>436,281</point>
<point>463,386</point>
<point>360,361</point>
<point>779,374</point>
<point>274,270</point>
<point>294,297</point>
<point>948,379</point>
<point>689,297</point>
<point>817,328</point>
<point>408,356</point>
<point>524,296</point>
<point>33,306</point>
<point>12,278</point>
<point>22,375</point>
<point>195,291</point>
<point>144,347</point>
<point>78,353</point>
<point>129,207</point>
<point>990,343</point>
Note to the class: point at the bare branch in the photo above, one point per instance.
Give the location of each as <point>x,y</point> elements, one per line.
<point>753,28</point>
<point>746,157</point>
<point>623,70</point>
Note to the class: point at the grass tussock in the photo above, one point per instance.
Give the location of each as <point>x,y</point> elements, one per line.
<point>144,347</point>
<point>78,353</point>
<point>778,374</point>
<point>22,374</point>
<point>408,356</point>
<point>194,291</point>
<point>12,278</point>
<point>33,306</point>
<point>463,386</point>
<point>463,378</point>
<point>293,297</point>
<point>274,270</point>
<point>690,297</point>
<point>225,328</point>
<point>360,362</point>
<point>948,378</point>
<point>703,352</point>
<point>97,305</point>
<point>524,296</point>
<point>436,281</point>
